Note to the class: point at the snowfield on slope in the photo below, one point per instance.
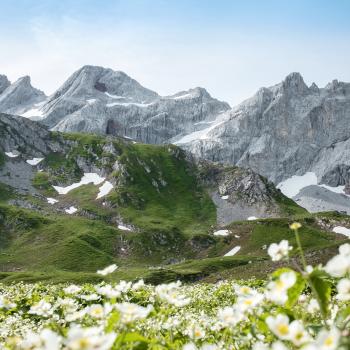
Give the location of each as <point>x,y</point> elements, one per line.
<point>85,180</point>
<point>292,186</point>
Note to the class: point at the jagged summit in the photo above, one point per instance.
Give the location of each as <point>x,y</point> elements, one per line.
<point>20,96</point>
<point>4,83</point>
<point>294,83</point>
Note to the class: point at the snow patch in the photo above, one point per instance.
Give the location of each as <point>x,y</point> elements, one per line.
<point>204,133</point>
<point>86,179</point>
<point>113,96</point>
<point>338,189</point>
<point>184,96</point>
<point>71,210</point>
<point>221,233</point>
<point>124,228</point>
<point>51,200</point>
<point>11,154</point>
<point>342,230</point>
<point>233,251</point>
<point>34,161</point>
<point>292,186</point>
<point>105,189</point>
<point>33,112</point>
<point>126,104</point>
<point>224,197</point>
<point>251,218</point>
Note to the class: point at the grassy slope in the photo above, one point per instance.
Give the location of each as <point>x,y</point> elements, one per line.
<point>160,196</point>
<point>57,249</point>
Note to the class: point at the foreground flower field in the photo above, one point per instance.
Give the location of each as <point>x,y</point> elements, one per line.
<point>302,308</point>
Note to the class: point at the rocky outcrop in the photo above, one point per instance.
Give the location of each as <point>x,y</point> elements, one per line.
<point>239,193</point>
<point>19,97</point>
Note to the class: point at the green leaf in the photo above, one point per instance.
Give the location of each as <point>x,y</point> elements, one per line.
<point>135,337</point>
<point>322,287</point>
<point>112,321</point>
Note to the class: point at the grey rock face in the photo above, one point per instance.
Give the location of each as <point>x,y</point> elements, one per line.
<point>4,83</point>
<point>20,96</point>
<point>316,199</point>
<point>99,100</point>
<point>238,193</point>
<point>284,130</point>
<point>29,140</point>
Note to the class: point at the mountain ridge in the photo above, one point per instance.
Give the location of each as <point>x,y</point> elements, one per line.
<point>302,128</point>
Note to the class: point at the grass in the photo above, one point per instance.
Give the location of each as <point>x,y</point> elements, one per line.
<point>157,191</point>
<point>58,248</point>
<point>162,191</point>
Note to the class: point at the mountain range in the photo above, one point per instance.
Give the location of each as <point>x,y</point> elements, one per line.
<point>167,187</point>
<point>288,133</point>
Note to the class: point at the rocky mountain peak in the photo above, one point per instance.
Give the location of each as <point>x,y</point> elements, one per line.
<point>20,96</point>
<point>294,83</point>
<point>313,87</point>
<point>92,81</point>
<point>4,83</point>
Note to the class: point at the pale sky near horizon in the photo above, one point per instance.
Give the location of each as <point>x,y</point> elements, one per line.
<point>231,48</point>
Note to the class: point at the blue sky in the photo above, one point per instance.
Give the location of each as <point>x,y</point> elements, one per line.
<point>229,47</point>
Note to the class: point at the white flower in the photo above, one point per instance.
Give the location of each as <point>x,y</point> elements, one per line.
<point>138,285</point>
<point>277,290</point>
<point>339,265</point>
<point>123,286</point>
<point>72,289</point>
<point>328,340</point>
<point>230,316</point>
<point>279,325</point>
<point>260,346</point>
<point>89,339</point>
<point>107,270</point>
<point>76,315</point>
<point>132,312</point>
<point>90,297</point>
<point>5,303</point>
<point>98,311</point>
<point>313,306</point>
<point>196,332</point>
<point>243,291</point>
<point>249,301</point>
<point>297,333</point>
<point>108,291</point>
<point>343,288</point>
<point>279,251</point>
<point>170,293</point>
<point>45,340</point>
<point>68,304</point>
<point>42,308</point>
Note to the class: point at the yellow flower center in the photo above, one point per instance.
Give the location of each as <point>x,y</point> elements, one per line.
<point>283,329</point>
<point>280,285</point>
<point>84,343</point>
<point>328,341</point>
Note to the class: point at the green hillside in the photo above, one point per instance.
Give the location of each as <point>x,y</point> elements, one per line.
<point>161,195</point>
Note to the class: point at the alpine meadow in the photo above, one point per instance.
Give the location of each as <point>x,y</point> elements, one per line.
<point>140,211</point>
